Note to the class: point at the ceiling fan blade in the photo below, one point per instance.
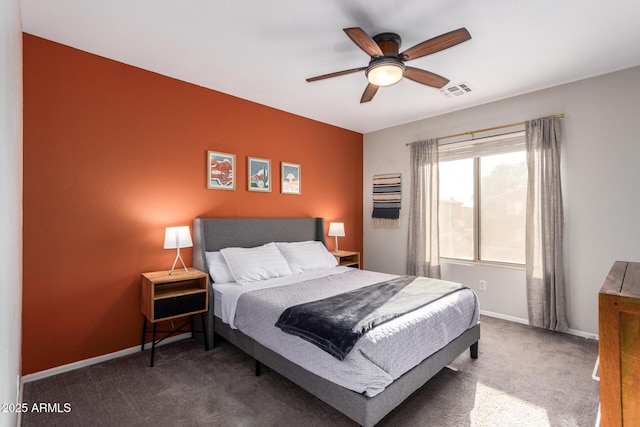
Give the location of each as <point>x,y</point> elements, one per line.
<point>336,74</point>
<point>425,77</point>
<point>369,93</point>
<point>364,42</point>
<point>436,44</point>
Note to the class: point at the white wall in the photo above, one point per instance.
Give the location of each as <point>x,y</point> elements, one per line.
<point>601,176</point>
<point>10,205</point>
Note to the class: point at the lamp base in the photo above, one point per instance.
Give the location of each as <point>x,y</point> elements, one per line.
<point>178,257</point>
<point>336,237</point>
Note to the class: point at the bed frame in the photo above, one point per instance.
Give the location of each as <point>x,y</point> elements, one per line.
<point>212,234</point>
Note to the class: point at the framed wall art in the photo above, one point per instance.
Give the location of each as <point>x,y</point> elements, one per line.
<point>290,178</point>
<point>221,171</point>
<point>259,174</point>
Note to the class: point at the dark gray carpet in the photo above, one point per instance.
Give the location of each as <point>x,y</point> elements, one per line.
<point>523,377</point>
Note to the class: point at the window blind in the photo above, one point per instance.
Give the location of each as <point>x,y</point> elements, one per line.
<point>500,144</point>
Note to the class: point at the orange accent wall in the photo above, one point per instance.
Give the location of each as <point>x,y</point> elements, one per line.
<point>114,154</point>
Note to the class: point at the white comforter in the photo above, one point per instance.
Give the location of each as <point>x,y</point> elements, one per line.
<point>379,357</point>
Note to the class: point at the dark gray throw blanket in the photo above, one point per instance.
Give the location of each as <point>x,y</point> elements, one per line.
<point>336,323</point>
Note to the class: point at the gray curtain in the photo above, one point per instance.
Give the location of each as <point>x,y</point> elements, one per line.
<point>423,255</point>
<point>544,265</point>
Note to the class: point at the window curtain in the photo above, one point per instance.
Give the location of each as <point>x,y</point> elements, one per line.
<point>423,251</point>
<point>544,216</point>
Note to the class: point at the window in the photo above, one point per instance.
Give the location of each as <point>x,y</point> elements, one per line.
<point>455,210</point>
<point>483,189</point>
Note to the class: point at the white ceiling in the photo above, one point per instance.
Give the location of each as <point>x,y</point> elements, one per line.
<point>262,51</point>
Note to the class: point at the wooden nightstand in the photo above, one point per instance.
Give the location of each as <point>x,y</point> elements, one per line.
<point>347,258</point>
<point>165,296</point>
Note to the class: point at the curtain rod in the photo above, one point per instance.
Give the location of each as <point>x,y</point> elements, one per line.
<point>471,132</point>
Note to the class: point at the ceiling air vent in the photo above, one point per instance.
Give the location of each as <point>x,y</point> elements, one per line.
<point>456,90</point>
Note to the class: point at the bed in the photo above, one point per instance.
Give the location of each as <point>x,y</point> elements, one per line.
<point>366,408</point>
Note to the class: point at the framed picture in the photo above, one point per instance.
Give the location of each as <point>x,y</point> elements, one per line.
<point>290,178</point>
<point>221,171</point>
<point>259,174</point>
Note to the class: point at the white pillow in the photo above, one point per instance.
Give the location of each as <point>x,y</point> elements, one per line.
<point>218,269</point>
<point>306,256</point>
<point>259,263</point>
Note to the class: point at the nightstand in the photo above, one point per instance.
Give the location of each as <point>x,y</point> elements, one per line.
<point>347,258</point>
<point>165,296</point>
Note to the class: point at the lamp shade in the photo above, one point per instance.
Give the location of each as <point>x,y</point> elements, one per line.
<point>336,229</point>
<point>177,237</point>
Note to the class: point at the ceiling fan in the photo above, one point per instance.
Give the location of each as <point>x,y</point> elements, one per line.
<point>387,67</point>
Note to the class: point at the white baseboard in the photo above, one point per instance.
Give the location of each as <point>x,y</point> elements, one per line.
<point>88,362</point>
<point>582,334</point>
<point>504,317</point>
<point>20,394</point>
<point>526,322</point>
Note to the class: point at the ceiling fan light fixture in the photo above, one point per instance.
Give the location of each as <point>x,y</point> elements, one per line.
<point>385,71</point>
<point>386,66</point>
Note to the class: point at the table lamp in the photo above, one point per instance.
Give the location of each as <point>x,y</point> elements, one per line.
<point>176,238</point>
<point>336,229</point>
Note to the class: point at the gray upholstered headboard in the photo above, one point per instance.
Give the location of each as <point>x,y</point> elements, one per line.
<point>213,234</point>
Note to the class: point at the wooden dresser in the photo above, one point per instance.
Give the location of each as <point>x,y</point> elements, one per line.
<point>619,346</point>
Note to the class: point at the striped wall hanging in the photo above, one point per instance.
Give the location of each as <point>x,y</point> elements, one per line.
<point>387,195</point>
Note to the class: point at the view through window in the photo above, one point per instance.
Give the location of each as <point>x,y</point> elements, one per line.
<point>455,210</point>
<point>482,208</point>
